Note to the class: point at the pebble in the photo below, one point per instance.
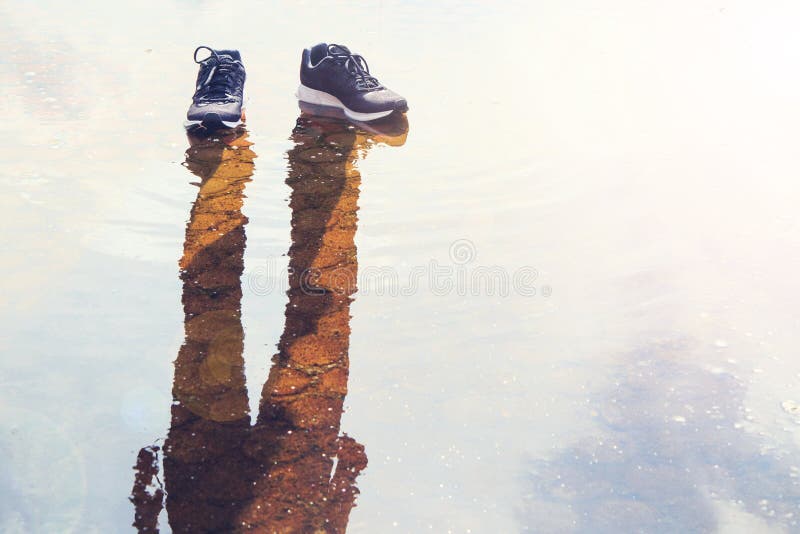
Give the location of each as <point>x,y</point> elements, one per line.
<point>790,406</point>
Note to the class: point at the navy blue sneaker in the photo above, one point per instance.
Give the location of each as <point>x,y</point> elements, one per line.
<point>217,102</point>
<point>330,75</point>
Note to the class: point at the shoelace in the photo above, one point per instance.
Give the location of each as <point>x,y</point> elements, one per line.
<point>355,65</point>
<point>220,83</point>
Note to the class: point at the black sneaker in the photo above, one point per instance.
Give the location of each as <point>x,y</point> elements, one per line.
<point>217,102</point>
<point>330,75</point>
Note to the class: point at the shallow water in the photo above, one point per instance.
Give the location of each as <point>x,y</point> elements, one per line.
<point>576,271</point>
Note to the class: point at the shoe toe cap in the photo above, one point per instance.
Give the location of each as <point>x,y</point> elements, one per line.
<point>227,111</point>
<point>385,99</point>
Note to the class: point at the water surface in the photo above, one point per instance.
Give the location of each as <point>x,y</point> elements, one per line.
<point>624,175</point>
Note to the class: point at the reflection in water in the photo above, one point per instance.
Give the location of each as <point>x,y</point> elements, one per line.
<point>674,457</point>
<point>292,471</point>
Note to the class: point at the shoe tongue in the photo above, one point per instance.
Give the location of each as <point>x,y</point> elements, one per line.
<point>338,49</point>
<point>232,55</point>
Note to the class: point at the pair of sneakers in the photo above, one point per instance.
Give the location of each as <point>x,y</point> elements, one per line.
<point>330,76</point>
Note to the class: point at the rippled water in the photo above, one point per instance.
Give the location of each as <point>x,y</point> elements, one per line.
<point>575,272</point>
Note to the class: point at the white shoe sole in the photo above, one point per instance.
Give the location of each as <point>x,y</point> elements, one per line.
<point>321,98</point>
<point>229,124</point>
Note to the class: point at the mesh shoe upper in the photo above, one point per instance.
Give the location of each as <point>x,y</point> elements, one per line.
<point>220,86</point>
<point>333,69</point>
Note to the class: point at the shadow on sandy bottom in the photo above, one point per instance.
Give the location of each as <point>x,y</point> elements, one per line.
<point>672,458</point>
